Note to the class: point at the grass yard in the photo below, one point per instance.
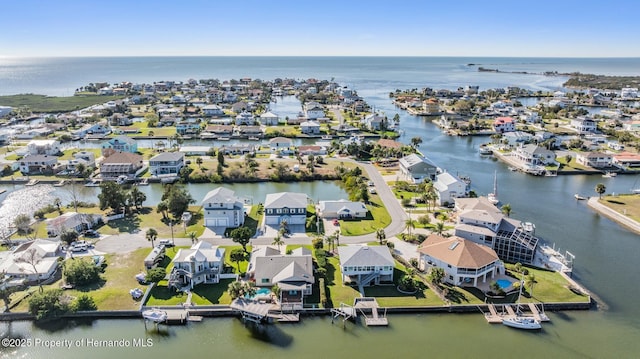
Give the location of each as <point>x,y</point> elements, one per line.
<point>549,287</point>
<point>628,205</point>
<point>42,103</point>
<point>336,290</point>
<point>378,217</point>
<point>68,154</point>
<point>389,296</point>
<point>149,218</point>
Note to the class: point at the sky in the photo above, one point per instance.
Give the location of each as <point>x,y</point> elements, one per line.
<point>543,28</point>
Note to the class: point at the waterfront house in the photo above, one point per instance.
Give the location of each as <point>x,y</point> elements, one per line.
<point>632,126</point>
<point>236,149</point>
<point>201,264</point>
<point>594,159</point>
<point>189,126</point>
<point>366,265</point>
<point>86,158</point>
<point>449,187</point>
<point>374,122</point>
<point>431,107</point>
<point>239,107</point>
<point>223,209</point>
<point>480,221</point>
<point>530,117</point>
<point>250,131</point>
<point>195,150</point>
<point>220,130</point>
<point>18,265</point>
<point>293,273</point>
<point>313,110</point>
<point>212,111</point>
<point>38,164</point>
<point>281,145</point>
<point>285,206</point>
<point>245,118</point>
<point>120,164</point>
<point>463,261</point>
<point>43,147</point>
<point>534,155</point>
<point>166,163</point>
<point>627,159</point>
<point>583,124</point>
<point>71,221</point>
<point>504,124</point>
<point>306,150</point>
<point>341,209</point>
<point>92,129</point>
<point>516,138</point>
<point>269,119</point>
<point>416,168</point>
<point>310,128</point>
<point>121,144</point>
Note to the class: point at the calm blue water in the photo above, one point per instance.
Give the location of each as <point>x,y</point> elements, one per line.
<point>606,253</point>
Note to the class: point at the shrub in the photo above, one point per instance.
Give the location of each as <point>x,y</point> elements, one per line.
<point>48,304</point>
<point>414,262</point>
<point>317,243</point>
<point>81,272</point>
<point>69,236</point>
<point>321,257</point>
<point>84,302</point>
<point>155,275</point>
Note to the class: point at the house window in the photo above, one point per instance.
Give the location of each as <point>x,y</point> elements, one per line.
<point>279,210</point>
<point>265,280</point>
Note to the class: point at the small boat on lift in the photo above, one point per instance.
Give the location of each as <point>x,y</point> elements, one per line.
<point>155,315</point>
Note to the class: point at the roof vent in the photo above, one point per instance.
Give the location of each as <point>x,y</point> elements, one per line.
<point>454,245</point>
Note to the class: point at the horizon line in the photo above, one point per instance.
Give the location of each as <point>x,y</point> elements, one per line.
<point>325,56</point>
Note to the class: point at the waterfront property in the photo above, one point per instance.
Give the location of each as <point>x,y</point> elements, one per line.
<point>504,124</point>
<point>38,164</point>
<point>120,164</point>
<point>71,221</point>
<point>120,144</point>
<point>449,187</point>
<point>534,155</point>
<point>223,209</point>
<point>341,209</point>
<point>293,273</point>
<point>281,145</point>
<point>285,206</point>
<point>43,147</point>
<point>417,168</point>
<point>166,163</point>
<point>463,261</point>
<point>310,128</point>
<point>594,159</point>
<point>583,124</point>
<point>480,221</point>
<point>269,119</point>
<point>31,261</point>
<point>202,263</point>
<point>365,265</point>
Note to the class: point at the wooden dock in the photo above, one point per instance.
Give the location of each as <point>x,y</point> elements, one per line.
<point>178,316</point>
<point>493,317</point>
<point>365,303</point>
<point>537,314</point>
<point>286,317</point>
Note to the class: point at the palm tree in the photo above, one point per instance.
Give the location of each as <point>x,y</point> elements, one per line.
<point>162,207</point>
<point>529,282</point>
<point>380,235</point>
<point>193,236</point>
<point>506,209</point>
<point>278,241</point>
<point>410,225</point>
<point>330,242</point>
<point>237,255</point>
<point>151,235</point>
<point>601,189</point>
<point>199,162</point>
<point>439,228</point>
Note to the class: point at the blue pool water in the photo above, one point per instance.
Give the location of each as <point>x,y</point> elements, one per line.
<point>260,292</point>
<point>503,283</point>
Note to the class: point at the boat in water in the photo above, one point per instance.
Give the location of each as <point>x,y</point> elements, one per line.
<point>493,196</point>
<point>327,137</point>
<point>521,322</point>
<point>609,174</point>
<point>155,315</point>
<point>485,150</point>
<point>579,197</point>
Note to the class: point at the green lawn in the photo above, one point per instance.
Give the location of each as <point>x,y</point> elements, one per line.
<point>149,218</point>
<point>336,290</point>
<point>378,217</point>
<point>389,296</point>
<point>42,103</point>
<point>68,154</point>
<point>549,287</point>
<point>628,205</point>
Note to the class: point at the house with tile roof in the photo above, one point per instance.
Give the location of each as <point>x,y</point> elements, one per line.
<point>366,265</point>
<point>463,261</point>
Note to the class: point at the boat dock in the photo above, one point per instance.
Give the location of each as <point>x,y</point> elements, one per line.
<point>32,182</point>
<point>537,314</point>
<point>371,304</point>
<point>178,316</point>
<point>494,316</point>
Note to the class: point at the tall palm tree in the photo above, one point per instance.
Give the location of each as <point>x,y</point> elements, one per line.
<point>193,236</point>
<point>601,189</point>
<point>380,235</point>
<point>506,209</point>
<point>530,281</point>
<point>411,224</point>
<point>151,235</point>
<point>278,241</point>
<point>439,228</point>
<point>331,240</point>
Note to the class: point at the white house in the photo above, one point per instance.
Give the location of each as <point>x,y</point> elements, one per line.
<point>42,253</point>
<point>310,127</point>
<point>449,187</point>
<point>166,163</point>
<point>594,159</point>
<point>534,155</point>
<point>281,144</point>
<point>417,168</point>
<point>38,164</point>
<point>366,264</point>
<point>222,209</point>
<point>583,124</point>
<point>463,261</point>
<point>269,119</point>
<point>202,263</point>
<point>71,221</point>
<point>212,111</point>
<point>517,137</point>
<point>92,129</point>
<point>504,124</point>
<point>245,118</point>
<point>43,147</point>
<point>374,122</point>
<point>293,273</point>
<point>313,110</point>
<point>285,206</point>
<point>342,209</point>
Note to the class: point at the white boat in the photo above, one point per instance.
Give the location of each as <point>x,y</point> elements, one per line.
<point>253,138</point>
<point>224,138</point>
<point>155,315</point>
<point>512,169</point>
<point>327,137</point>
<point>609,174</point>
<point>493,196</point>
<point>485,150</point>
<point>579,197</point>
<point>520,322</point>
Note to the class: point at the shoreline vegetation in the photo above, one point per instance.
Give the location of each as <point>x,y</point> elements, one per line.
<point>579,80</point>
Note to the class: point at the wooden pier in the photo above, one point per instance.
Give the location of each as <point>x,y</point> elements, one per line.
<point>495,317</point>
<point>371,304</point>
<point>176,316</point>
<point>537,314</point>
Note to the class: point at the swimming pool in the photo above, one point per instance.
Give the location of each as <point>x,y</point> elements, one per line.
<point>503,283</point>
<point>260,292</point>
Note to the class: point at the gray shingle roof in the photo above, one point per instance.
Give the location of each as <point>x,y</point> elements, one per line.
<point>365,256</point>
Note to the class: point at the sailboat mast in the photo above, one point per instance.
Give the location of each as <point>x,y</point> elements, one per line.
<point>495,184</point>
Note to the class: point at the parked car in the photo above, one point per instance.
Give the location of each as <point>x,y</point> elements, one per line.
<point>91,233</point>
<point>167,243</point>
<point>79,248</point>
<point>336,222</point>
<point>372,190</point>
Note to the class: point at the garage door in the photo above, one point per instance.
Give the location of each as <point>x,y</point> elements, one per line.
<point>216,222</point>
